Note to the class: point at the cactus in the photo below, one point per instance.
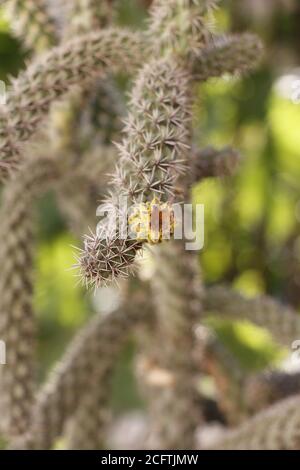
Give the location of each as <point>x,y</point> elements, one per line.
<point>154,165</point>
<point>32,22</point>
<point>78,61</point>
<point>90,14</point>
<point>62,393</point>
<point>281,321</point>
<point>152,157</point>
<point>178,294</point>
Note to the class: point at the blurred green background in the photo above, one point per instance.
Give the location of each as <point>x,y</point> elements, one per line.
<point>252,220</point>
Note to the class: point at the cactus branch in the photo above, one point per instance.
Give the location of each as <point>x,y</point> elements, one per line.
<point>236,55</point>
<point>90,357</point>
<point>283,322</point>
<point>210,162</point>
<point>77,62</point>
<point>85,15</point>
<point>32,23</point>
<point>277,428</point>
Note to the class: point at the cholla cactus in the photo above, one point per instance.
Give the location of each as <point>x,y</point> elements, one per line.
<point>154,165</point>
<point>181,26</point>
<point>155,151</point>
<point>77,61</point>
<point>92,353</point>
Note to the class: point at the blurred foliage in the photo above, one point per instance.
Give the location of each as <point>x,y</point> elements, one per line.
<point>252,220</point>
<point>11,56</point>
